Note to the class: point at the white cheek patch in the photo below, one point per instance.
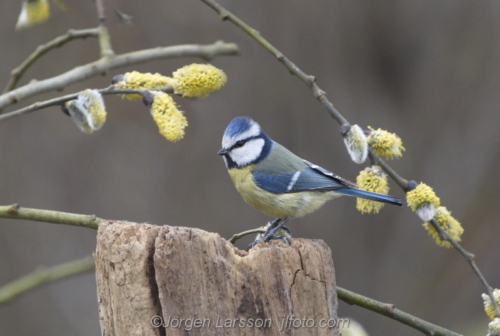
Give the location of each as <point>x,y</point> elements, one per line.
<point>228,141</point>
<point>248,153</point>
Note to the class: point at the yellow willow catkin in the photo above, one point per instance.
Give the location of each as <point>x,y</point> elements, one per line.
<point>198,80</point>
<point>449,224</point>
<point>33,12</point>
<point>488,305</point>
<point>139,80</point>
<point>356,144</point>
<point>87,111</point>
<point>372,179</point>
<point>385,144</point>
<point>494,327</point>
<point>421,195</point>
<point>169,119</point>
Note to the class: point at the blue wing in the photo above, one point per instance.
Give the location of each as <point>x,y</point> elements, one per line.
<point>312,177</point>
<point>349,188</point>
<point>315,178</point>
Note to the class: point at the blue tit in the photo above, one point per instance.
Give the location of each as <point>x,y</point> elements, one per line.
<point>277,182</point>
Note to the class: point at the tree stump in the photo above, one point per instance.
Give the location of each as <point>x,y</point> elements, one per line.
<point>165,280</point>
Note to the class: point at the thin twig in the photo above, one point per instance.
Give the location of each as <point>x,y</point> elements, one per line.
<point>401,182</point>
<point>103,65</point>
<point>310,81</point>
<point>101,14</point>
<point>470,259</point>
<point>104,37</point>
<point>320,95</point>
<point>71,35</point>
<point>42,276</point>
<point>61,100</point>
<point>55,217</point>
<point>240,235</point>
<point>392,312</point>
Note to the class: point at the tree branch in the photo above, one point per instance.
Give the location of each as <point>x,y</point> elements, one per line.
<point>392,312</point>
<point>104,37</point>
<point>401,182</point>
<point>103,65</point>
<point>71,35</point>
<point>42,276</point>
<point>240,235</point>
<point>55,217</point>
<point>307,79</point>
<point>61,100</point>
<point>470,259</point>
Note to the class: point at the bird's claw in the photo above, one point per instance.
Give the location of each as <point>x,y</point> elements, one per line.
<point>255,242</point>
<point>286,239</point>
<point>272,229</point>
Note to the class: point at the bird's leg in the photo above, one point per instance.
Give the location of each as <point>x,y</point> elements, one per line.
<point>287,237</point>
<point>287,229</point>
<point>284,233</point>
<point>269,227</point>
<point>273,227</point>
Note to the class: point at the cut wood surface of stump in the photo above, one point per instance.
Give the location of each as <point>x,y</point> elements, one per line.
<point>165,280</point>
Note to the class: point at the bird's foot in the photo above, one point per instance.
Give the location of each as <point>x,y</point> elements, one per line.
<point>255,242</point>
<point>287,239</point>
<point>275,230</point>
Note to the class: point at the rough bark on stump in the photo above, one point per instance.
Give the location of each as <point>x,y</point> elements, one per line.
<point>126,290</point>
<point>197,283</point>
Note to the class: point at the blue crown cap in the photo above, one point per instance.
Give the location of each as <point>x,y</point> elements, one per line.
<point>239,125</point>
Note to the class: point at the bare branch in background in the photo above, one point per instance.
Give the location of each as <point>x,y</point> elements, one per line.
<point>101,66</point>
<point>61,100</point>
<point>104,37</point>
<point>71,35</point>
<point>392,312</point>
<point>43,276</point>
<point>55,217</point>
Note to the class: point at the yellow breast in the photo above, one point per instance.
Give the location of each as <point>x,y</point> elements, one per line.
<point>288,205</point>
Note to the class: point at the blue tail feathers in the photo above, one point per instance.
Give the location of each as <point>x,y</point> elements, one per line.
<point>369,195</point>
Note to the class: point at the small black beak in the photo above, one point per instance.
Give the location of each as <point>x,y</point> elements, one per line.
<point>223,151</point>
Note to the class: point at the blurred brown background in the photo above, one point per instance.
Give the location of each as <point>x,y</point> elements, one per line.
<point>427,70</point>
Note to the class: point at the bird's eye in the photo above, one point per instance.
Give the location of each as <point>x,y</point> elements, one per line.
<point>239,144</point>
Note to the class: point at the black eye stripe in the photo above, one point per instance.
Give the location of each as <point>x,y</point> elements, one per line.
<point>237,145</point>
<point>240,143</point>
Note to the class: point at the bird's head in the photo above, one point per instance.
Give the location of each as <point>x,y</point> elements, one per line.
<point>244,143</point>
